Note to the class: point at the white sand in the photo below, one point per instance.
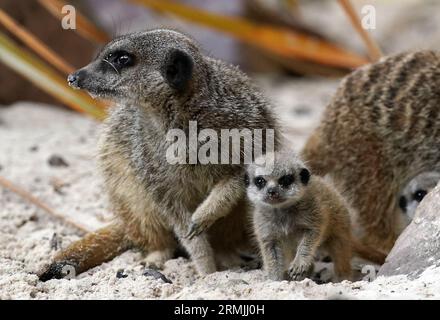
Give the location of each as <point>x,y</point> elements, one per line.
<point>26,232</point>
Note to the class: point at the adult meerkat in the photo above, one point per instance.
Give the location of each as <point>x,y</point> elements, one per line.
<point>381,130</point>
<point>297,213</point>
<point>160,80</point>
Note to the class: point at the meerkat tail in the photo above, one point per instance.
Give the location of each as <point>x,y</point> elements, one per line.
<point>92,250</point>
<point>367,252</point>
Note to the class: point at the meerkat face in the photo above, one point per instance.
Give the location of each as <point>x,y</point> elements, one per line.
<point>283,186</point>
<point>139,66</point>
<point>415,191</point>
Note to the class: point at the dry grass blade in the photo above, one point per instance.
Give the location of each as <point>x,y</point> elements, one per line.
<point>83,25</point>
<point>280,41</point>
<point>45,78</point>
<point>27,196</point>
<point>31,41</point>
<point>374,51</point>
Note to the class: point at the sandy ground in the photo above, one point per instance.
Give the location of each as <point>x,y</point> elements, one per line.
<point>33,136</point>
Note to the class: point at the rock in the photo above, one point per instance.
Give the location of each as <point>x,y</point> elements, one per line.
<point>156,275</point>
<point>417,248</point>
<point>57,161</point>
<point>121,274</point>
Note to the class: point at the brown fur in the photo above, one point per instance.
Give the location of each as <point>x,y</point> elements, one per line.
<point>380,131</point>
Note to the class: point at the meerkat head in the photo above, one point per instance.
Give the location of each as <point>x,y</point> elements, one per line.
<point>415,191</point>
<point>139,66</point>
<point>282,185</point>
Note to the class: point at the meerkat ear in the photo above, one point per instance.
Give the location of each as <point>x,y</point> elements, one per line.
<point>177,69</point>
<point>305,176</point>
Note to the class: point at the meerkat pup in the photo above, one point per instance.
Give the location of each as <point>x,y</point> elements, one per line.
<point>381,129</point>
<point>297,213</point>
<point>161,82</point>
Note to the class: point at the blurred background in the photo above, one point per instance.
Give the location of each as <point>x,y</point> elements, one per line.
<point>400,25</point>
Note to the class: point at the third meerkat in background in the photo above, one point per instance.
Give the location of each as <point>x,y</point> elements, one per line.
<point>414,193</point>
<point>381,130</point>
<point>295,214</point>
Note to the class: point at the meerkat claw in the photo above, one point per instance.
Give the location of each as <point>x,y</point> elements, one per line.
<point>299,271</point>
<point>194,231</point>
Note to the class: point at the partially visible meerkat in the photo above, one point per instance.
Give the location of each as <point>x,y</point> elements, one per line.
<point>381,130</point>
<point>297,213</point>
<point>161,80</point>
<point>414,193</point>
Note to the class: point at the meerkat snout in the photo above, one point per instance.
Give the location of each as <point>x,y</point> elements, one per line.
<point>76,79</point>
<point>87,77</point>
<point>273,193</point>
<point>72,80</point>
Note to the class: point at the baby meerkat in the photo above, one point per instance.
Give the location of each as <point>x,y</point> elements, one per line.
<point>297,213</point>
<point>381,129</point>
<point>162,82</point>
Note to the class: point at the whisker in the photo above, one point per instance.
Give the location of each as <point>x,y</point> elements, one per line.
<point>105,60</point>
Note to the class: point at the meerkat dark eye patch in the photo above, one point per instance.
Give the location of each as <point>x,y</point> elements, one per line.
<point>178,69</point>
<point>286,181</point>
<point>419,195</point>
<point>403,203</point>
<point>260,182</point>
<point>305,176</point>
<point>119,60</point>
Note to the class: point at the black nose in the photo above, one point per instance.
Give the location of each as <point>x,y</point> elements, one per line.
<point>72,78</point>
<point>272,192</point>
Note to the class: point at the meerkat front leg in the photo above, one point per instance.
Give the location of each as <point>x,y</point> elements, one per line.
<point>273,258</point>
<point>200,251</point>
<point>220,201</point>
<point>341,253</point>
<point>302,264</point>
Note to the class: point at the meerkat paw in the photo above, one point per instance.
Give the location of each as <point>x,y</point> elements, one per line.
<point>156,259</point>
<point>197,226</point>
<point>300,269</point>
